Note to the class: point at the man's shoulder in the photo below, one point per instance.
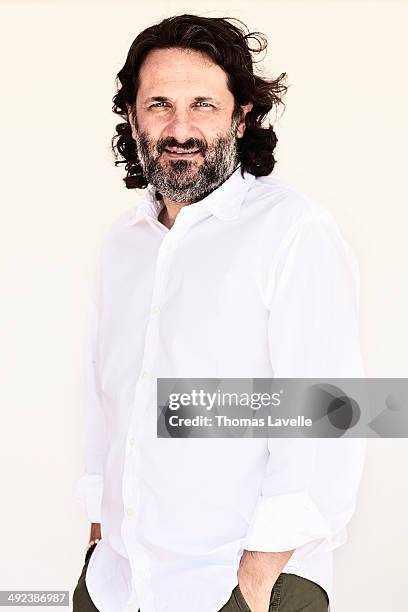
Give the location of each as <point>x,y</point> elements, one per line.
<point>282,198</point>
<point>120,222</point>
<point>288,212</point>
<point>285,211</point>
<point>124,218</point>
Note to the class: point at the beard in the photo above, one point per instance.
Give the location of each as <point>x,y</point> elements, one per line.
<point>184,180</point>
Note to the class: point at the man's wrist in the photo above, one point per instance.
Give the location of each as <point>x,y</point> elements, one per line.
<point>95,532</point>
<point>258,578</point>
<point>262,568</point>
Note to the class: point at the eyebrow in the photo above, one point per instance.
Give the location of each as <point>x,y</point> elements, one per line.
<point>196,99</point>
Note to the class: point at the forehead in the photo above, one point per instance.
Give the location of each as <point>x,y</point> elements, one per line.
<point>168,70</point>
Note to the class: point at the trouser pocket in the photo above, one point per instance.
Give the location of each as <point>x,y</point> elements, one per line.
<point>237,602</point>
<point>290,593</point>
<point>296,594</point>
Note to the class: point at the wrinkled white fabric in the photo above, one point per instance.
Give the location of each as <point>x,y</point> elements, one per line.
<point>255,280</point>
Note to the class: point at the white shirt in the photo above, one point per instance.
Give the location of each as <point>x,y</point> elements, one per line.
<point>255,280</point>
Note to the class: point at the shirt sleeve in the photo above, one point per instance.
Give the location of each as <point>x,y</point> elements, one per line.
<point>310,487</point>
<point>89,487</point>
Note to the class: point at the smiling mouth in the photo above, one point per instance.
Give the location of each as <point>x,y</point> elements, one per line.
<point>180,153</point>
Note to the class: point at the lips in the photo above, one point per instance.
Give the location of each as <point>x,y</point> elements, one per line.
<point>180,152</point>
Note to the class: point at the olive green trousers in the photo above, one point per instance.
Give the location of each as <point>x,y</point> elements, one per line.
<point>291,593</point>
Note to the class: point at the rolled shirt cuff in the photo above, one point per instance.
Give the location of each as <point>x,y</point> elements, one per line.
<point>88,491</point>
<point>285,522</point>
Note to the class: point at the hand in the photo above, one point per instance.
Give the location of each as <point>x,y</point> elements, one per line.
<point>95,531</point>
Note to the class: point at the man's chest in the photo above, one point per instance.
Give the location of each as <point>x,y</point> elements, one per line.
<point>188,303</point>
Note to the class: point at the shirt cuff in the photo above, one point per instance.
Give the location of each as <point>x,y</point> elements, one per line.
<point>285,522</point>
<point>88,492</point>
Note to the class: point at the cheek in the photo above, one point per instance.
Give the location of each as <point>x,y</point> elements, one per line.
<point>150,126</point>
<point>146,125</point>
<point>214,123</point>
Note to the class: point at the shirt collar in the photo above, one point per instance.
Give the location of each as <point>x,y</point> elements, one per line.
<point>224,202</point>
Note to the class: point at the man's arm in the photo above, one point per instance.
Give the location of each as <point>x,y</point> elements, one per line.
<point>89,487</point>
<point>310,486</point>
<point>257,574</point>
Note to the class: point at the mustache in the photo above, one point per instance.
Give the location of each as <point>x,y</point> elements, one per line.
<point>193,144</point>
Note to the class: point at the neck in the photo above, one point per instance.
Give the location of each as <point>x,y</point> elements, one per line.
<point>172,208</point>
<point>170,211</point>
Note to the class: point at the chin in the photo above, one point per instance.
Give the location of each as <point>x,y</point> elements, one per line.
<point>182,165</point>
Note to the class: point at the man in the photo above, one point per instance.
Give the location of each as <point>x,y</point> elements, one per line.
<point>220,271</point>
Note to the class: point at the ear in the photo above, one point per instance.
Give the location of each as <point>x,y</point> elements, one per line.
<point>131,118</point>
<point>244,110</point>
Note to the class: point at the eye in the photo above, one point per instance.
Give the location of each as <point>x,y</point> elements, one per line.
<point>157,104</point>
<point>206,104</point>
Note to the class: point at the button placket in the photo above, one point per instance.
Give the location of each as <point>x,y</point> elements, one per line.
<point>131,499</point>
<point>163,263</point>
<point>143,391</point>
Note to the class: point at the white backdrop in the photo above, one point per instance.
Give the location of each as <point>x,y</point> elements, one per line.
<point>342,139</point>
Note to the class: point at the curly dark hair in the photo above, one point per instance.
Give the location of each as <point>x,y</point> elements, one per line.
<point>228,45</point>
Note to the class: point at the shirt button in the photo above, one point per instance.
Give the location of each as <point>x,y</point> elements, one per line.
<point>132,440</point>
<point>156,309</point>
<point>145,375</point>
<point>129,511</point>
<point>168,247</point>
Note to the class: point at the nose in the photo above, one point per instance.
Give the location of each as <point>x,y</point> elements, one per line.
<point>181,126</point>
